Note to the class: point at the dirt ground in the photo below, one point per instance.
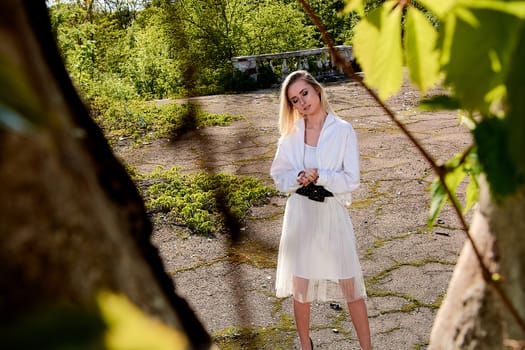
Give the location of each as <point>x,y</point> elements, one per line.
<point>406,266</point>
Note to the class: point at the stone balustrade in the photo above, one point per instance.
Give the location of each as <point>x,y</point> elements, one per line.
<point>319,62</point>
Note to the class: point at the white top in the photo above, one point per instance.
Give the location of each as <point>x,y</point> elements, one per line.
<point>310,159</point>
<point>337,156</point>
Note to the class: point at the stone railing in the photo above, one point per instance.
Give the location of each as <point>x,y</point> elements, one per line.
<point>319,62</point>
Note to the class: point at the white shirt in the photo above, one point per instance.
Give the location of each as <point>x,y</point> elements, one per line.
<point>337,154</point>
<point>310,157</point>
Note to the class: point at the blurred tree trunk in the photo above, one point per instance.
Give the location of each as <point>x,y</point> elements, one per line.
<point>72,222</point>
<point>473,316</point>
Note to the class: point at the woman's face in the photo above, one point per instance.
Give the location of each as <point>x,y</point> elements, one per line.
<point>304,97</point>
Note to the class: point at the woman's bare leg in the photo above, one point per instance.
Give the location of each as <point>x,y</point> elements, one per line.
<point>302,311</point>
<point>302,322</point>
<point>358,312</point>
<point>359,316</point>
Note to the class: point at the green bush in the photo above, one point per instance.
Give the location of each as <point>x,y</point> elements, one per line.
<point>202,202</point>
<point>266,77</point>
<point>235,80</point>
<point>141,120</point>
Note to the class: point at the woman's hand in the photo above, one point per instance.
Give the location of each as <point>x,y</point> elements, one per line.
<point>307,176</point>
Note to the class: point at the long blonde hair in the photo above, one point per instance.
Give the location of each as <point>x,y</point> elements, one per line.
<point>287,113</point>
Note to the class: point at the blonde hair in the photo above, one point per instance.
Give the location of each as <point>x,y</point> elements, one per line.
<point>287,113</point>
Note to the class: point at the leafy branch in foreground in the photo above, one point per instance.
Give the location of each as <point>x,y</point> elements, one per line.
<point>191,200</point>
<point>474,61</point>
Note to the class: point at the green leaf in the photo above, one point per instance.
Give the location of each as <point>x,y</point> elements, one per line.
<point>491,136</point>
<point>130,328</point>
<point>438,8</point>
<point>443,7</point>
<point>438,197</point>
<point>453,178</point>
<point>457,169</point>
<point>439,102</point>
<point>471,195</point>
<point>420,49</point>
<point>515,8</point>
<point>485,38</point>
<point>354,5</point>
<point>516,103</point>
<point>377,47</point>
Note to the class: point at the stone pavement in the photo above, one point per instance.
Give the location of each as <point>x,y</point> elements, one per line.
<point>406,266</point>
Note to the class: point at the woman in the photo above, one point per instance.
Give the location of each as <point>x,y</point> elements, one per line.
<point>317,162</point>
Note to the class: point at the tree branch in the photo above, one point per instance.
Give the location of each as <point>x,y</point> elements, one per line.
<point>488,276</point>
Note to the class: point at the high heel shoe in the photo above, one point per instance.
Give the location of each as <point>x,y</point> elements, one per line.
<point>311,344</point>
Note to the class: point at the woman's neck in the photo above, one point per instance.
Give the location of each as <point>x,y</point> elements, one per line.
<point>315,121</point>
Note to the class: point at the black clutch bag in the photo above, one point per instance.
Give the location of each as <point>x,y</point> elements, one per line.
<point>314,192</point>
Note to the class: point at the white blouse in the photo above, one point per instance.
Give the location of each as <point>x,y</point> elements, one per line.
<point>310,158</point>
<point>337,156</point>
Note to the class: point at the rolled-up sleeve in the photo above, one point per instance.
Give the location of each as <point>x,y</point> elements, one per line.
<point>283,172</point>
<point>345,177</point>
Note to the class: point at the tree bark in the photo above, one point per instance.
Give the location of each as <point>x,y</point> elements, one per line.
<point>72,222</point>
<point>473,315</point>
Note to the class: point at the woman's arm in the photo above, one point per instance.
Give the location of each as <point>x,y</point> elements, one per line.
<point>344,174</point>
<point>285,175</point>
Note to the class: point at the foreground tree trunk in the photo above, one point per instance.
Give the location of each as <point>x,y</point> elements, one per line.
<point>72,222</point>
<point>473,316</point>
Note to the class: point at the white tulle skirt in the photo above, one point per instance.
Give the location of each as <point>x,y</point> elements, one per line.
<point>317,254</point>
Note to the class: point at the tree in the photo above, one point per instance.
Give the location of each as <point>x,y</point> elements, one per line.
<point>477,54</point>
<point>216,31</point>
<point>95,49</point>
<point>273,27</point>
<point>73,224</point>
<point>338,26</point>
<point>153,65</point>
